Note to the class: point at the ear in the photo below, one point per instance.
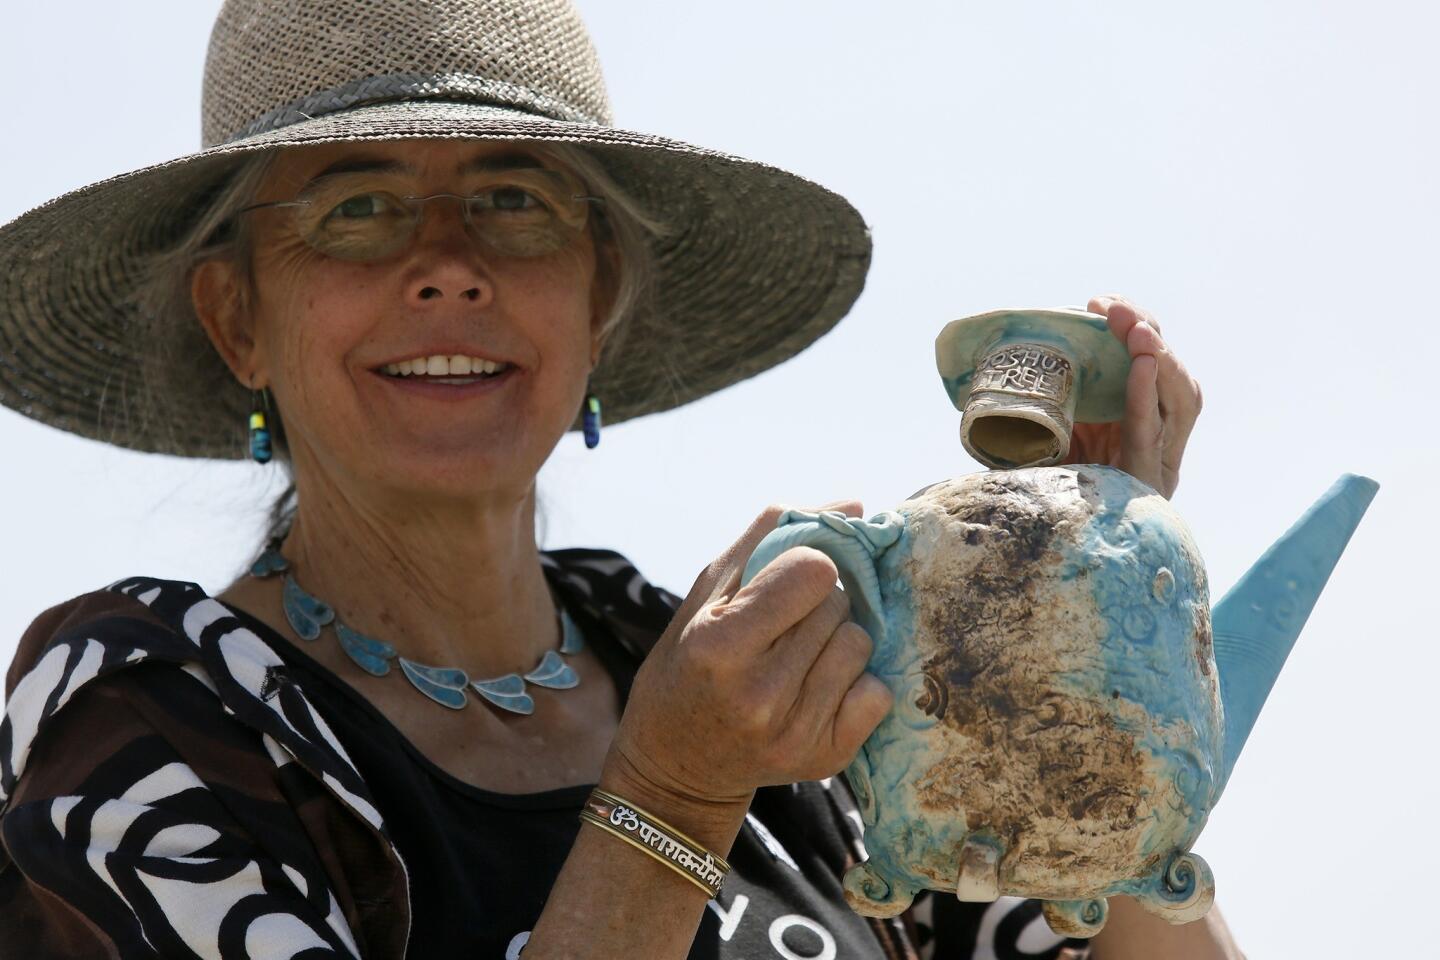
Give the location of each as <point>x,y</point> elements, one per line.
<point>217,296</point>
<point>598,336</point>
<point>603,291</point>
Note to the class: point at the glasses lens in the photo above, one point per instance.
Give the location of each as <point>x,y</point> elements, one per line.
<point>527,212</point>
<point>351,220</point>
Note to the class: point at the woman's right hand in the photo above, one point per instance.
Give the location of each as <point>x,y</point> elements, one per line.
<point>748,687</point>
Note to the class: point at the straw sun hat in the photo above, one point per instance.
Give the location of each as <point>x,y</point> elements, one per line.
<point>757,262</point>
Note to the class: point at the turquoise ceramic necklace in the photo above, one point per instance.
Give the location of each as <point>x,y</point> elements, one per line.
<point>445,685</point>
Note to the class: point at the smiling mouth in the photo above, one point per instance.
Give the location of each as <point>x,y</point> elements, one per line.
<point>449,370</point>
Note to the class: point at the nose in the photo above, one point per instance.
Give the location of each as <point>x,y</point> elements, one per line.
<point>446,262</point>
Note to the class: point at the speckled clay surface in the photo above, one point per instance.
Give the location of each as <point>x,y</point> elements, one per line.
<point>1058,729</point>
<point>1033,646</point>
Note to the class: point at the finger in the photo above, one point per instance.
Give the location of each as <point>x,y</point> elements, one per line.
<point>730,566</point>
<point>1146,316</point>
<point>1171,380</point>
<point>834,670</point>
<point>783,593</point>
<point>1123,320</point>
<point>1143,426</point>
<point>1101,304</point>
<point>865,704</point>
<point>721,577</point>
<point>726,570</point>
<point>1121,315</point>
<point>1177,394</point>
<point>794,653</point>
<point>758,530</point>
<point>1180,403</point>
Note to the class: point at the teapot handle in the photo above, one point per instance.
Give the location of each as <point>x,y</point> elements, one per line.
<point>852,543</point>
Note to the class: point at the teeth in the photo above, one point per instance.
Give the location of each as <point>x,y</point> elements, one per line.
<point>442,366</point>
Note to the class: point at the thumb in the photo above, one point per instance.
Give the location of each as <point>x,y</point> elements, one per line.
<point>735,559</point>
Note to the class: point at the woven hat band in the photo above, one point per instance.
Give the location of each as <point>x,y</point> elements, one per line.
<point>454,87</point>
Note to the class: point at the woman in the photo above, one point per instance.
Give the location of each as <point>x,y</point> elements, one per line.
<point>415,245</point>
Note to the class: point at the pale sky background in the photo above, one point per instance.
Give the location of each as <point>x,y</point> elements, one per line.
<point>1261,175</point>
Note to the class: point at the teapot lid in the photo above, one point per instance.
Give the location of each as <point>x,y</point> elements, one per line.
<point>1102,363</point>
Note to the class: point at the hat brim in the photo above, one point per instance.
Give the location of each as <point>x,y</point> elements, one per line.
<point>756,265</point>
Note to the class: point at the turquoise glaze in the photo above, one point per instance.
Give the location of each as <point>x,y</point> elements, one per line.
<point>1101,362</point>
<point>1065,717</point>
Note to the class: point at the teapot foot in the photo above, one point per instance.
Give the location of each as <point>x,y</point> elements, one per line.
<point>872,895</point>
<point>1182,892</point>
<point>1076,918</point>
<point>979,880</point>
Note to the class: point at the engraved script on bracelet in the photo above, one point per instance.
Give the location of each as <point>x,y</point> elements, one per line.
<point>624,817</point>
<point>706,869</point>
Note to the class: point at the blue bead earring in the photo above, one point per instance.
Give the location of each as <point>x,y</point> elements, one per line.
<point>591,420</point>
<point>259,428</point>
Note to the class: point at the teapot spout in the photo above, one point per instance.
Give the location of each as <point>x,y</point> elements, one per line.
<point>1258,621</point>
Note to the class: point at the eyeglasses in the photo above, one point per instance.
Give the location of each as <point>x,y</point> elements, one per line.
<point>525,212</point>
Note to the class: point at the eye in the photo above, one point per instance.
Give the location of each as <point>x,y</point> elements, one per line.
<point>513,198</point>
<point>360,206</point>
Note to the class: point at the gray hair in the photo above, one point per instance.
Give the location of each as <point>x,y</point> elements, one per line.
<point>181,348</point>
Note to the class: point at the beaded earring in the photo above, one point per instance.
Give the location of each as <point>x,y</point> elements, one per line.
<point>591,421</point>
<point>259,429</point>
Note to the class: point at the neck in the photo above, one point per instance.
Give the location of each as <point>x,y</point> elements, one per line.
<point>448,584</point>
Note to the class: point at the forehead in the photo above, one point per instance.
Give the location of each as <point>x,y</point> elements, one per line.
<point>295,166</point>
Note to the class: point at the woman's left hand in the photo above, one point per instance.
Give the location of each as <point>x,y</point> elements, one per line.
<point>1162,402</point>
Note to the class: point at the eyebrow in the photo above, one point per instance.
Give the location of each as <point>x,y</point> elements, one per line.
<point>360,165</point>
<point>485,164</point>
<point>502,161</point>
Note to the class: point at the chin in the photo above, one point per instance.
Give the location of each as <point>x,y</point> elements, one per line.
<point>474,467</point>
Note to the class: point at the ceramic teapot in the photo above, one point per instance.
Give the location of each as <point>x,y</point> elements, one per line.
<point>1068,707</point>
